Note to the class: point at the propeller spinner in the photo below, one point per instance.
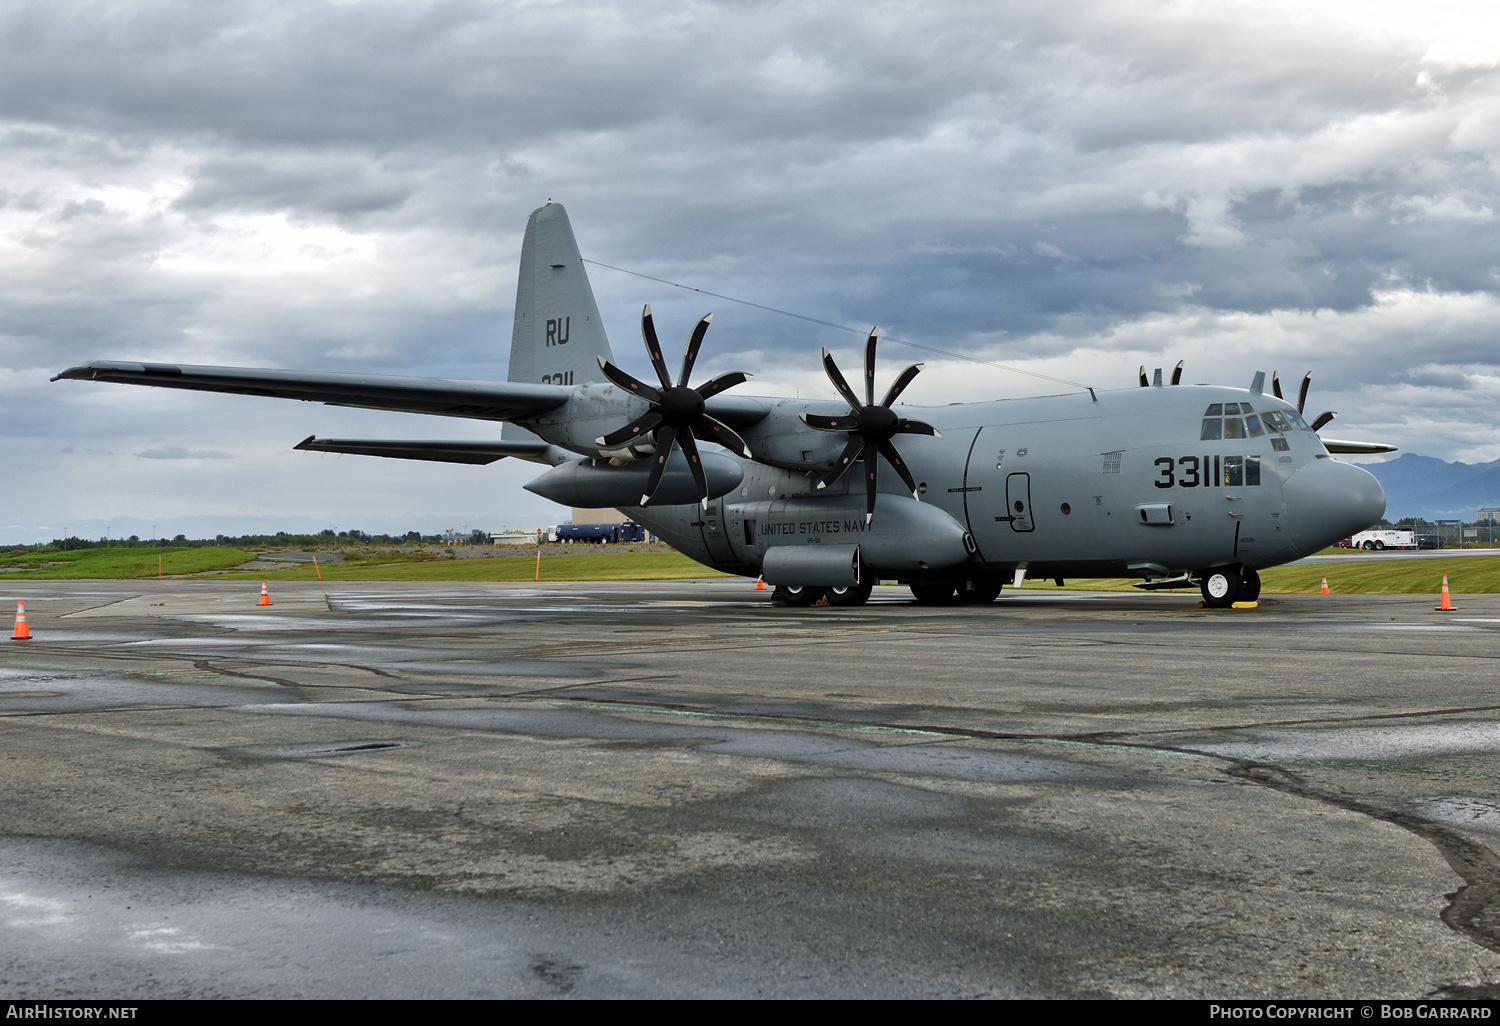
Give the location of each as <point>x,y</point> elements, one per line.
<point>678,412</point>
<point>871,427</point>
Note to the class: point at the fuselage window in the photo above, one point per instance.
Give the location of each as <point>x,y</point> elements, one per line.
<point>1241,471</point>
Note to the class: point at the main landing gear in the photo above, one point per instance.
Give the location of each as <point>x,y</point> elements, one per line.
<point>1223,586</point>
<point>805,595</point>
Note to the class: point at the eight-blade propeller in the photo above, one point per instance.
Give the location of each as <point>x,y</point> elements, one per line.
<point>677,412</point>
<point>870,427</point>
<point>1322,419</point>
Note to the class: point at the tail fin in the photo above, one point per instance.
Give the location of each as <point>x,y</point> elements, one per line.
<point>558,335</point>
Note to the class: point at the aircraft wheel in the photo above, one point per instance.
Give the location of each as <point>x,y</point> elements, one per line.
<point>800,594</point>
<point>857,595</point>
<point>1221,587</point>
<point>979,591</point>
<point>1249,585</point>
<point>934,591</point>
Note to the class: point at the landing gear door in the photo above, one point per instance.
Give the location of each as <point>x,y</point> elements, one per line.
<point>1018,501</point>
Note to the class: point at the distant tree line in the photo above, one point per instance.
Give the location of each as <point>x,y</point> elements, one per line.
<point>281,539</point>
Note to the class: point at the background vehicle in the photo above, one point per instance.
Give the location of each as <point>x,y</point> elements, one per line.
<point>625,531</point>
<point>1386,538</point>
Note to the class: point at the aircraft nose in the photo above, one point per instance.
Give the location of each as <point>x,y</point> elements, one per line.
<point>1327,500</point>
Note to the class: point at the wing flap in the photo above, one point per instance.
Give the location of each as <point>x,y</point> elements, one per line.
<point>476,453</point>
<point>444,397</point>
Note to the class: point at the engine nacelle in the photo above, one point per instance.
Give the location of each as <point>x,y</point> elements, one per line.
<point>596,484</point>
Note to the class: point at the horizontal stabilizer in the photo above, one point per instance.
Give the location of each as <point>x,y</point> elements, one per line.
<point>477,453</point>
<point>444,397</point>
<point>1344,448</point>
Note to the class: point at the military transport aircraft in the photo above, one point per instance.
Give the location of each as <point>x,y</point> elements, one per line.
<point>1176,485</point>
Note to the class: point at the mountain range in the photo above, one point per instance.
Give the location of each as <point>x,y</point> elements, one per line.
<point>1423,486</point>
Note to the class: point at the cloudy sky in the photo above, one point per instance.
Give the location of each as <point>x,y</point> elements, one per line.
<point>1072,188</point>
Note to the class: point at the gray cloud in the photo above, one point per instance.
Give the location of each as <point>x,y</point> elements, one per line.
<point>181,452</point>
<point>1084,184</point>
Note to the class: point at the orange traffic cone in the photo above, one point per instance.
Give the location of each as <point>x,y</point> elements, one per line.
<point>265,595</point>
<point>1325,586</point>
<point>22,632</point>
<point>1446,606</point>
<point>760,584</point>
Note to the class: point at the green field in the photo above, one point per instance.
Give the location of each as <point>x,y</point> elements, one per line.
<point>116,564</point>
<point>1390,575</point>
<point>589,566</point>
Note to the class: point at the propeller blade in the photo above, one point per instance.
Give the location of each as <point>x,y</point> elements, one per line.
<point>695,340</point>
<point>653,347</point>
<point>902,380</point>
<point>695,463</point>
<point>714,386</point>
<point>664,436</point>
<point>630,432</point>
<point>1323,418</point>
<point>1177,373</point>
<point>917,427</point>
<point>1302,392</point>
<point>1144,382</point>
<point>712,430</point>
<point>852,452</point>
<point>870,369</point>
<point>822,423</point>
<point>1276,385</point>
<point>628,382</point>
<point>871,486</point>
<point>839,382</point>
<point>894,459</point>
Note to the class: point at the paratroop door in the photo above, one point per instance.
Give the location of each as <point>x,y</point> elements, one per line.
<point>1018,501</point>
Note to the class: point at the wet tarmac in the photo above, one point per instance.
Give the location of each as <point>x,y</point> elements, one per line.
<point>675,789</point>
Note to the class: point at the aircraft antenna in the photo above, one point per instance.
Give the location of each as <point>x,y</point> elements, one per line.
<point>840,327</point>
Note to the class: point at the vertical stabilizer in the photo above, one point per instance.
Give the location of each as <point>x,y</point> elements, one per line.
<point>558,336</point>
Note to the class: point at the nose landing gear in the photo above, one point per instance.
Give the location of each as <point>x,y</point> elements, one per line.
<point>1223,586</point>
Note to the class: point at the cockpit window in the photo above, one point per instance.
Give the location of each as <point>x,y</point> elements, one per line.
<point>1239,420</point>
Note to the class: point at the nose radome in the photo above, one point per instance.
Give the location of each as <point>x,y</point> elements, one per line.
<point>1327,500</point>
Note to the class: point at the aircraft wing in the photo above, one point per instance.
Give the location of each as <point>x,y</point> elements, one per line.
<point>444,397</point>
<point>1343,448</point>
<point>477,453</point>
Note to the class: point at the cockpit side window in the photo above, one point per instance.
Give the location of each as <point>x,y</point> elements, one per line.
<point>1213,429</point>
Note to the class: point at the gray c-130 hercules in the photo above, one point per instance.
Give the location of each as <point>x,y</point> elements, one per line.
<point>1192,483</point>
